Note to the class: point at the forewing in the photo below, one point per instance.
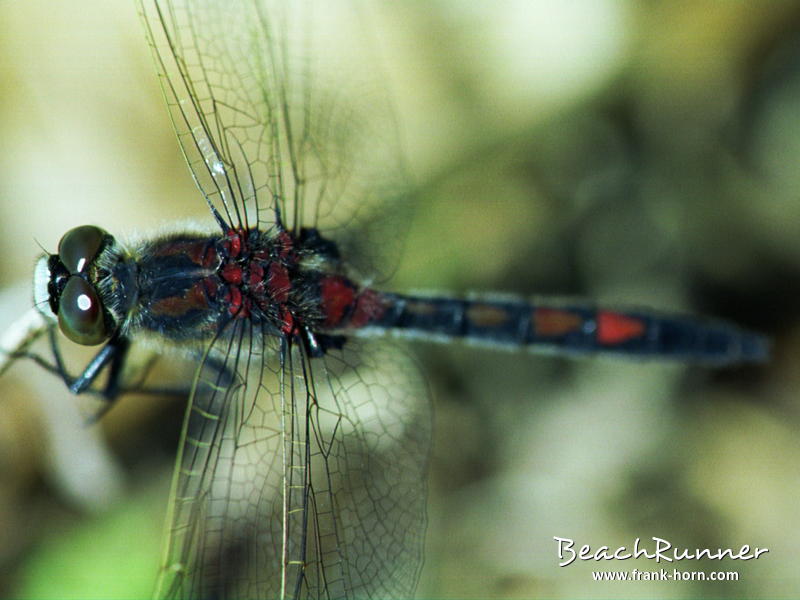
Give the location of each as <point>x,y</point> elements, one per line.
<point>282,105</point>
<point>298,477</point>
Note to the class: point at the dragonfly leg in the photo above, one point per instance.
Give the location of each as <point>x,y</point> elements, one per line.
<point>114,352</point>
<point>59,371</point>
<point>113,355</point>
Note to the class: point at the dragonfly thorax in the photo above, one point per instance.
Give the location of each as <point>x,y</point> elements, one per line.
<point>187,287</point>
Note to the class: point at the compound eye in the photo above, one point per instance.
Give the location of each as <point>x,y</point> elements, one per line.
<point>79,246</point>
<point>80,314</point>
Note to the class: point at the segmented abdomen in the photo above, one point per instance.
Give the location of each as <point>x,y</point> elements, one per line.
<point>571,329</point>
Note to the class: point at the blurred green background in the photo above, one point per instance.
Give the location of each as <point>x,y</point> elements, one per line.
<point>633,152</point>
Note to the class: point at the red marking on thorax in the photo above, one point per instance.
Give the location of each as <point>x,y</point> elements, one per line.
<point>235,242</point>
<point>199,252</point>
<point>287,318</point>
<point>171,247</point>
<point>255,274</point>
<point>177,306</point>
<point>232,273</point>
<point>615,328</point>
<point>242,268</point>
<point>285,244</point>
<point>234,299</point>
<point>210,287</point>
<point>278,282</point>
<point>554,322</point>
<point>210,258</point>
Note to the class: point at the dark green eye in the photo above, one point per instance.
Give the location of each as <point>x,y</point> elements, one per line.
<point>79,246</point>
<point>80,315</point>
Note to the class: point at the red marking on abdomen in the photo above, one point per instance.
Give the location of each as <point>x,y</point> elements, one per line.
<point>615,328</point>
<point>370,307</point>
<point>553,322</point>
<point>337,295</point>
<point>487,315</point>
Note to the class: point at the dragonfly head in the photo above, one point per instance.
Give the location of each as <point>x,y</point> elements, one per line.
<point>67,286</point>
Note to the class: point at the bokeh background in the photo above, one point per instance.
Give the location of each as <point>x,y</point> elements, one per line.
<point>632,152</point>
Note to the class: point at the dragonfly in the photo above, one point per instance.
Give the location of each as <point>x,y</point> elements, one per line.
<point>303,455</point>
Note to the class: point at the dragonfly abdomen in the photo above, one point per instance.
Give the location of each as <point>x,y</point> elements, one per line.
<point>570,329</point>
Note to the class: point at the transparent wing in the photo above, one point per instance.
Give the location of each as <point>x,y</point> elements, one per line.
<point>299,478</point>
<point>281,106</point>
